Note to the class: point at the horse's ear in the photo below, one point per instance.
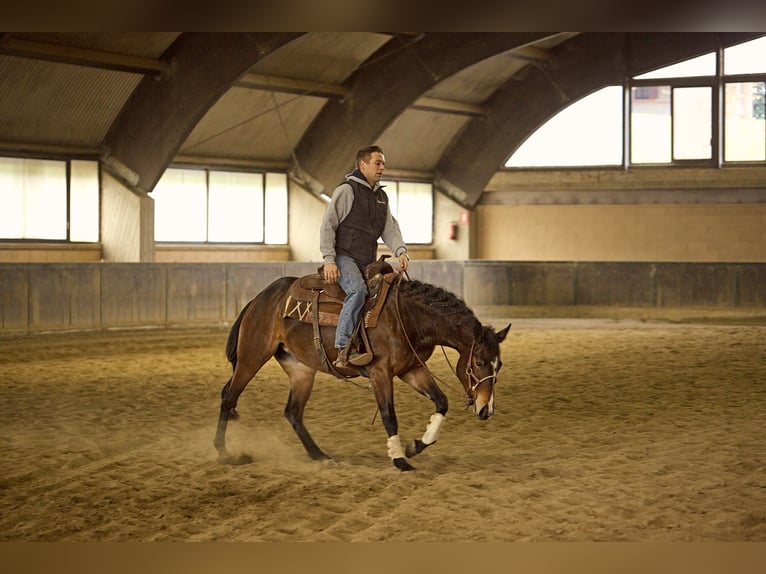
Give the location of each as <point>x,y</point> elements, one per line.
<point>502,334</point>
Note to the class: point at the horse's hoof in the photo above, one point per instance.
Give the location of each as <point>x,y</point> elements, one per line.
<point>234,460</point>
<point>319,456</point>
<point>415,447</point>
<point>402,464</point>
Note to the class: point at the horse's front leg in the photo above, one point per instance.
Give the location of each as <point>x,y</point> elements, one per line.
<point>422,381</point>
<point>383,387</point>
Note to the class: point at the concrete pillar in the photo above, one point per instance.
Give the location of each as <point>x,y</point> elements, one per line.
<point>127,222</point>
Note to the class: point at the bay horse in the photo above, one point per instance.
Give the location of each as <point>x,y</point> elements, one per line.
<point>415,318</point>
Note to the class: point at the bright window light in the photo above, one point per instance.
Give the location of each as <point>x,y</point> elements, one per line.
<point>411,204</point>
<point>744,119</point>
<point>415,208</point>
<point>692,129</point>
<point>180,206</point>
<point>236,207</point>
<point>588,132</point>
<point>276,209</point>
<point>34,204</point>
<point>650,125</point>
<point>699,66</point>
<point>12,186</point>
<point>746,58</point>
<point>221,206</point>
<point>83,201</point>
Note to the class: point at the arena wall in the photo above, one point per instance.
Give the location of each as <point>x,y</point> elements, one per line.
<point>39,297</point>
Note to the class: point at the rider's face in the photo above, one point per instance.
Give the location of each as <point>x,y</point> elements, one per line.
<point>373,170</point>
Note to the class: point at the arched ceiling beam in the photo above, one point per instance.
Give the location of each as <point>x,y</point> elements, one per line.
<point>164,109</point>
<point>382,88</point>
<point>291,86</point>
<point>79,56</point>
<point>580,66</point>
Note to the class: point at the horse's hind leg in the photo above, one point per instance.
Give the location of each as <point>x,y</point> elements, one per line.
<point>245,370</point>
<point>301,384</point>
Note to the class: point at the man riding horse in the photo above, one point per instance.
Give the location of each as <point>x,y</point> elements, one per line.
<point>407,327</point>
<point>356,217</point>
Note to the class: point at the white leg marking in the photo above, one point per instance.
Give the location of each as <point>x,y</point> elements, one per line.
<point>433,429</point>
<point>395,449</point>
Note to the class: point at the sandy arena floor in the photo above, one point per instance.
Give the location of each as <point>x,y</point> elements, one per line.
<point>605,430</point>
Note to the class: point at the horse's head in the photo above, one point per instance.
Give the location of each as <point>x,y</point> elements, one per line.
<point>478,369</point>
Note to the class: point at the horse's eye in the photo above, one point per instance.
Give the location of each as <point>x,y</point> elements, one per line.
<point>479,363</point>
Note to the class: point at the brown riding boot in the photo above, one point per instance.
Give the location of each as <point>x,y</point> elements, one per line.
<point>341,362</point>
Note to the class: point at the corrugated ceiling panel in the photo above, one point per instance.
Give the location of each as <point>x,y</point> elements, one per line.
<point>245,124</point>
<point>60,104</point>
<point>477,83</point>
<point>418,139</point>
<point>322,56</point>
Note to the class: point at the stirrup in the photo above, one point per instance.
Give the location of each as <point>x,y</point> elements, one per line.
<point>347,358</point>
<point>360,359</point>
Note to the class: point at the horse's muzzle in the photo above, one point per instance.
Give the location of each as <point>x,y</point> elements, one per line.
<point>484,413</point>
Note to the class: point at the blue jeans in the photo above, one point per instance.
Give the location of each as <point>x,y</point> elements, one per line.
<point>352,282</point>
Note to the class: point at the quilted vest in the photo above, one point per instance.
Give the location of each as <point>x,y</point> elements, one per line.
<point>357,235</point>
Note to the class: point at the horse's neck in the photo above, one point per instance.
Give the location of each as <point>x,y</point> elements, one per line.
<point>459,337</point>
<point>455,329</point>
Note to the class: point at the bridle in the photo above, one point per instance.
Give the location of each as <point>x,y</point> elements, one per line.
<point>473,380</point>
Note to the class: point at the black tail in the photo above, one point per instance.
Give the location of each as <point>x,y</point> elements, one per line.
<point>231,343</point>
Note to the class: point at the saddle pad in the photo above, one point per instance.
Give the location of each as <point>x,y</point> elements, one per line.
<point>303,311</point>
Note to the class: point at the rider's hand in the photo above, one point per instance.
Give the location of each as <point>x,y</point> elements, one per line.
<point>331,272</point>
<point>404,262</point>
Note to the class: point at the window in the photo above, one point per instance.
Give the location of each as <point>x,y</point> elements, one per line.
<point>588,132</point>
<point>744,113</point>
<point>235,207</point>
<point>49,199</point>
<point>670,123</point>
<point>651,128</point>
<point>692,113</point>
<point>220,207</point>
<point>673,116</point>
<point>746,58</point>
<point>699,66</point>
<point>84,196</point>
<point>412,205</point>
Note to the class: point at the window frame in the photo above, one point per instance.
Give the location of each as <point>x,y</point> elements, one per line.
<point>207,170</point>
<point>716,83</point>
<point>67,161</point>
<point>674,84</point>
<point>737,79</point>
<point>386,182</point>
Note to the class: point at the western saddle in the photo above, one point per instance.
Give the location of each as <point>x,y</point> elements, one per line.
<point>313,300</point>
